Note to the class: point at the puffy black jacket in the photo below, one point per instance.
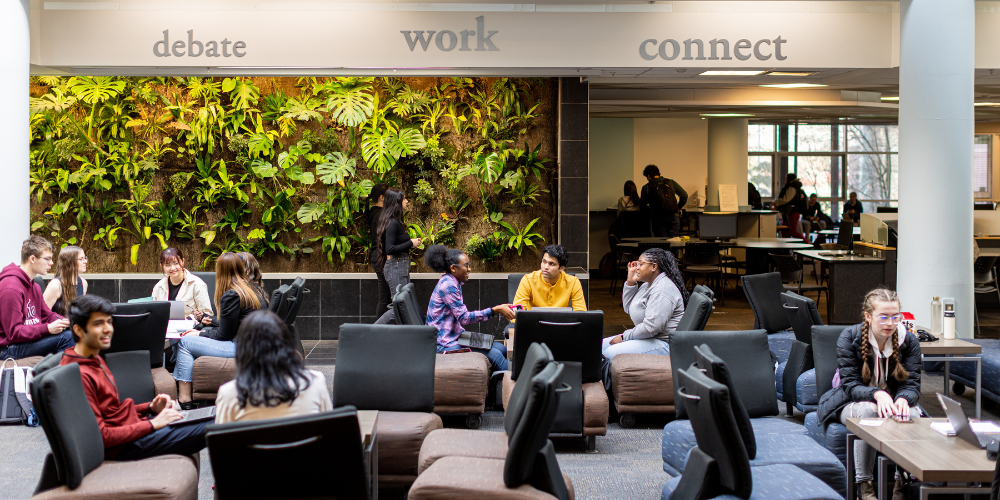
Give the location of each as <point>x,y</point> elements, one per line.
<point>853,389</point>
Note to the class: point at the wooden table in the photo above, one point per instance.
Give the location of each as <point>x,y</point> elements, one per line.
<point>943,350</point>
<point>851,278</point>
<point>927,454</point>
<point>368,423</point>
<point>757,250</point>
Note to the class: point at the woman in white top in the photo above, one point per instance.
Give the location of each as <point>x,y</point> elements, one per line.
<point>271,377</point>
<point>629,202</point>
<point>68,284</point>
<point>180,284</point>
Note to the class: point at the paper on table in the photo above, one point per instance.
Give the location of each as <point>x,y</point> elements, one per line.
<point>176,326</point>
<point>728,199</point>
<point>872,422</point>
<point>985,427</point>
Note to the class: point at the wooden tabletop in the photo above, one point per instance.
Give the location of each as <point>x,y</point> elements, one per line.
<point>815,254</point>
<point>954,346</point>
<point>926,453</point>
<point>367,421</point>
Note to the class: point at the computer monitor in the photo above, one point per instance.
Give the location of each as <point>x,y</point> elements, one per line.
<point>571,336</point>
<point>845,238</point>
<point>717,226</point>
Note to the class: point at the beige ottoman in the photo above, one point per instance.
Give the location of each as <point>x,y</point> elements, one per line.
<point>400,437</point>
<point>166,477</point>
<point>595,407</point>
<point>208,374</point>
<point>641,383</point>
<point>460,384</point>
<point>477,478</point>
<point>461,443</point>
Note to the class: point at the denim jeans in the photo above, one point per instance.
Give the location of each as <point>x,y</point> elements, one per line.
<point>639,346</point>
<point>184,439</point>
<point>396,272</point>
<point>497,355</point>
<point>191,347</point>
<point>48,344</point>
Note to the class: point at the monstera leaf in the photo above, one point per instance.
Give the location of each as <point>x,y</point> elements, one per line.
<point>309,212</point>
<point>335,168</point>
<point>351,105</point>
<point>94,89</point>
<point>381,149</point>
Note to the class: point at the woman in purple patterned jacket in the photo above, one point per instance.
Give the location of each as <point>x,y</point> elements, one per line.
<point>447,311</point>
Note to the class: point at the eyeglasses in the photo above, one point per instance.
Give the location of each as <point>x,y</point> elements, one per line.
<point>467,265</point>
<point>47,259</point>
<point>644,262</point>
<point>887,320</point>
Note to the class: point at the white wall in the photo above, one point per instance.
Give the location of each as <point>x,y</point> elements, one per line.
<point>679,146</point>
<point>611,160</point>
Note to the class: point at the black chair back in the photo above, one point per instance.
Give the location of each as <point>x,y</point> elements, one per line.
<point>537,358</point>
<point>787,267</point>
<point>720,463</point>
<point>40,281</point>
<point>276,305</point>
<point>69,423</point>
<point>983,269</point>
<point>209,279</point>
<point>634,224</point>
<point>696,314</point>
<point>141,326</point>
<point>385,367</point>
<point>717,370</point>
<point>513,282</point>
<point>571,336</point>
<point>405,307</point>
<point>297,291</point>
<point>702,289</point>
<point>530,455</point>
<point>745,352</point>
<point>285,302</point>
<point>824,348</point>
<point>132,375</point>
<point>802,314</point>
<point>701,254</point>
<point>763,292</point>
<point>323,451</point>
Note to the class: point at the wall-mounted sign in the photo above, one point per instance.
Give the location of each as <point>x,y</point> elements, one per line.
<point>718,50</point>
<point>195,48</point>
<point>446,40</point>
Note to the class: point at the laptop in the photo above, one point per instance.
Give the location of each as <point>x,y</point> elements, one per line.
<point>960,423</point>
<point>176,306</point>
<point>196,415</point>
<point>553,309</point>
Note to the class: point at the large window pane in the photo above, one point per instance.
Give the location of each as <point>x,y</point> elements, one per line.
<point>873,176</point>
<point>810,138</point>
<point>982,157</point>
<point>760,137</point>
<point>815,173</point>
<point>873,138</point>
<point>760,171</point>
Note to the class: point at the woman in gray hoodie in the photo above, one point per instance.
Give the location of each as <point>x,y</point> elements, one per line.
<point>655,306</point>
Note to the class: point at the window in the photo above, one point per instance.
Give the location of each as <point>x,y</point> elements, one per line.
<point>873,164</point>
<point>982,167</point>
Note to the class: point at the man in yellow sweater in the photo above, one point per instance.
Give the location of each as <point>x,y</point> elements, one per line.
<point>550,286</point>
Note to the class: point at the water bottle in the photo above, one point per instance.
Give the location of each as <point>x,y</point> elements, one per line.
<point>948,323</point>
<point>936,317</point>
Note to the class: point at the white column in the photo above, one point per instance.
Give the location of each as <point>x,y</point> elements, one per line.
<point>727,159</point>
<point>14,59</point>
<point>936,69</point>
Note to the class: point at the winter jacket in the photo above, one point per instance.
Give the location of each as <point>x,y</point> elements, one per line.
<point>24,315</point>
<point>120,422</point>
<point>852,389</point>
<point>193,292</point>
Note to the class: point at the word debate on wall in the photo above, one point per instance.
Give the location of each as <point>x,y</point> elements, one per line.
<point>718,49</point>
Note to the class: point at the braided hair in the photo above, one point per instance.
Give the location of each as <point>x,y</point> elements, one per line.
<point>666,263</point>
<point>879,295</point>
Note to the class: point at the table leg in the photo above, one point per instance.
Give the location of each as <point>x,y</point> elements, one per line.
<point>851,493</point>
<point>979,387</point>
<point>371,459</point>
<point>885,483</point>
<point>947,377</point>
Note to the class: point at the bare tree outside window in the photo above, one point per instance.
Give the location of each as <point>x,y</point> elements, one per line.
<point>872,165</point>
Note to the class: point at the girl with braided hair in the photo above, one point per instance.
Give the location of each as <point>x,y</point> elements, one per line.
<point>655,306</point>
<point>879,365</point>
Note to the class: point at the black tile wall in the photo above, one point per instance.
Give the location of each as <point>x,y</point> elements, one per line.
<point>573,199</point>
<point>574,170</point>
<point>574,162</point>
<point>136,289</point>
<point>340,297</point>
<point>104,288</point>
<point>308,328</point>
<point>572,90</point>
<point>573,122</point>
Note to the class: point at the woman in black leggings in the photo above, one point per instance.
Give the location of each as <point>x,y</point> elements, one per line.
<point>393,245</point>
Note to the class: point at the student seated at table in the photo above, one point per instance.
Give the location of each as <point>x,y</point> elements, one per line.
<point>447,311</point>
<point>130,431</point>
<point>879,377</point>
<point>271,378</point>
<point>655,306</point>
<point>27,326</point>
<point>235,298</point>
<point>180,284</point>
<point>551,286</point>
<point>67,284</point>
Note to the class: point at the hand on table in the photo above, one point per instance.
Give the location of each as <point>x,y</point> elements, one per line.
<point>193,333</point>
<point>902,407</point>
<point>886,408</point>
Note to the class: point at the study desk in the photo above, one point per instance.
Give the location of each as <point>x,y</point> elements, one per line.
<point>851,277</point>
<point>943,350</point>
<point>929,455</point>
<point>836,232</point>
<point>757,249</point>
<point>368,424</point>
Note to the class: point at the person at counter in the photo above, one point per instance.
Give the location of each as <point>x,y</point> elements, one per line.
<point>630,201</point>
<point>753,197</point>
<point>853,209</point>
<point>662,199</point>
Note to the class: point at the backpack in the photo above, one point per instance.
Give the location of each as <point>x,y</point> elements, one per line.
<point>664,196</point>
<point>15,400</point>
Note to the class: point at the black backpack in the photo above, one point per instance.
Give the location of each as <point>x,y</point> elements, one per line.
<point>664,197</point>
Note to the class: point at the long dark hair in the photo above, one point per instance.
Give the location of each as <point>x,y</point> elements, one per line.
<point>666,263</point>
<point>231,275</point>
<point>68,272</point>
<point>631,191</point>
<point>269,371</point>
<point>252,269</point>
<point>392,209</point>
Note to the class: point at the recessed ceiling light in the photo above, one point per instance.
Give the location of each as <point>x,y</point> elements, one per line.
<point>896,98</point>
<point>987,104</point>
<point>791,73</point>
<point>725,115</point>
<point>793,85</point>
<point>721,72</point>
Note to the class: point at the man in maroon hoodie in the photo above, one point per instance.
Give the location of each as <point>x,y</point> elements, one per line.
<point>27,326</point>
<point>130,431</point>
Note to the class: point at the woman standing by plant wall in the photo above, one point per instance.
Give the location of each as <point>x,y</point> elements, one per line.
<point>68,284</point>
<point>393,244</point>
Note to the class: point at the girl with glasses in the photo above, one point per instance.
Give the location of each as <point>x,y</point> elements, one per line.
<point>879,365</point>
<point>68,284</point>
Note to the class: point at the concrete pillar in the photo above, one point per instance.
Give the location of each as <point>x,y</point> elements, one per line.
<point>727,159</point>
<point>14,59</point>
<point>936,69</point>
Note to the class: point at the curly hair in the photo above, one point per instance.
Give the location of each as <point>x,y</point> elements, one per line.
<point>440,258</point>
<point>666,263</point>
<point>879,295</point>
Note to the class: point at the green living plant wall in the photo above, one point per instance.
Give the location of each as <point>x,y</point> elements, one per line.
<point>281,167</point>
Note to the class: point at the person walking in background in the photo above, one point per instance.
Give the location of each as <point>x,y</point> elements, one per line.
<point>180,284</point>
<point>377,197</point>
<point>630,202</point>
<point>272,380</point>
<point>394,245</point>
<point>68,284</point>
<point>27,326</point>
<point>853,209</point>
<point>662,199</point>
<point>791,204</point>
